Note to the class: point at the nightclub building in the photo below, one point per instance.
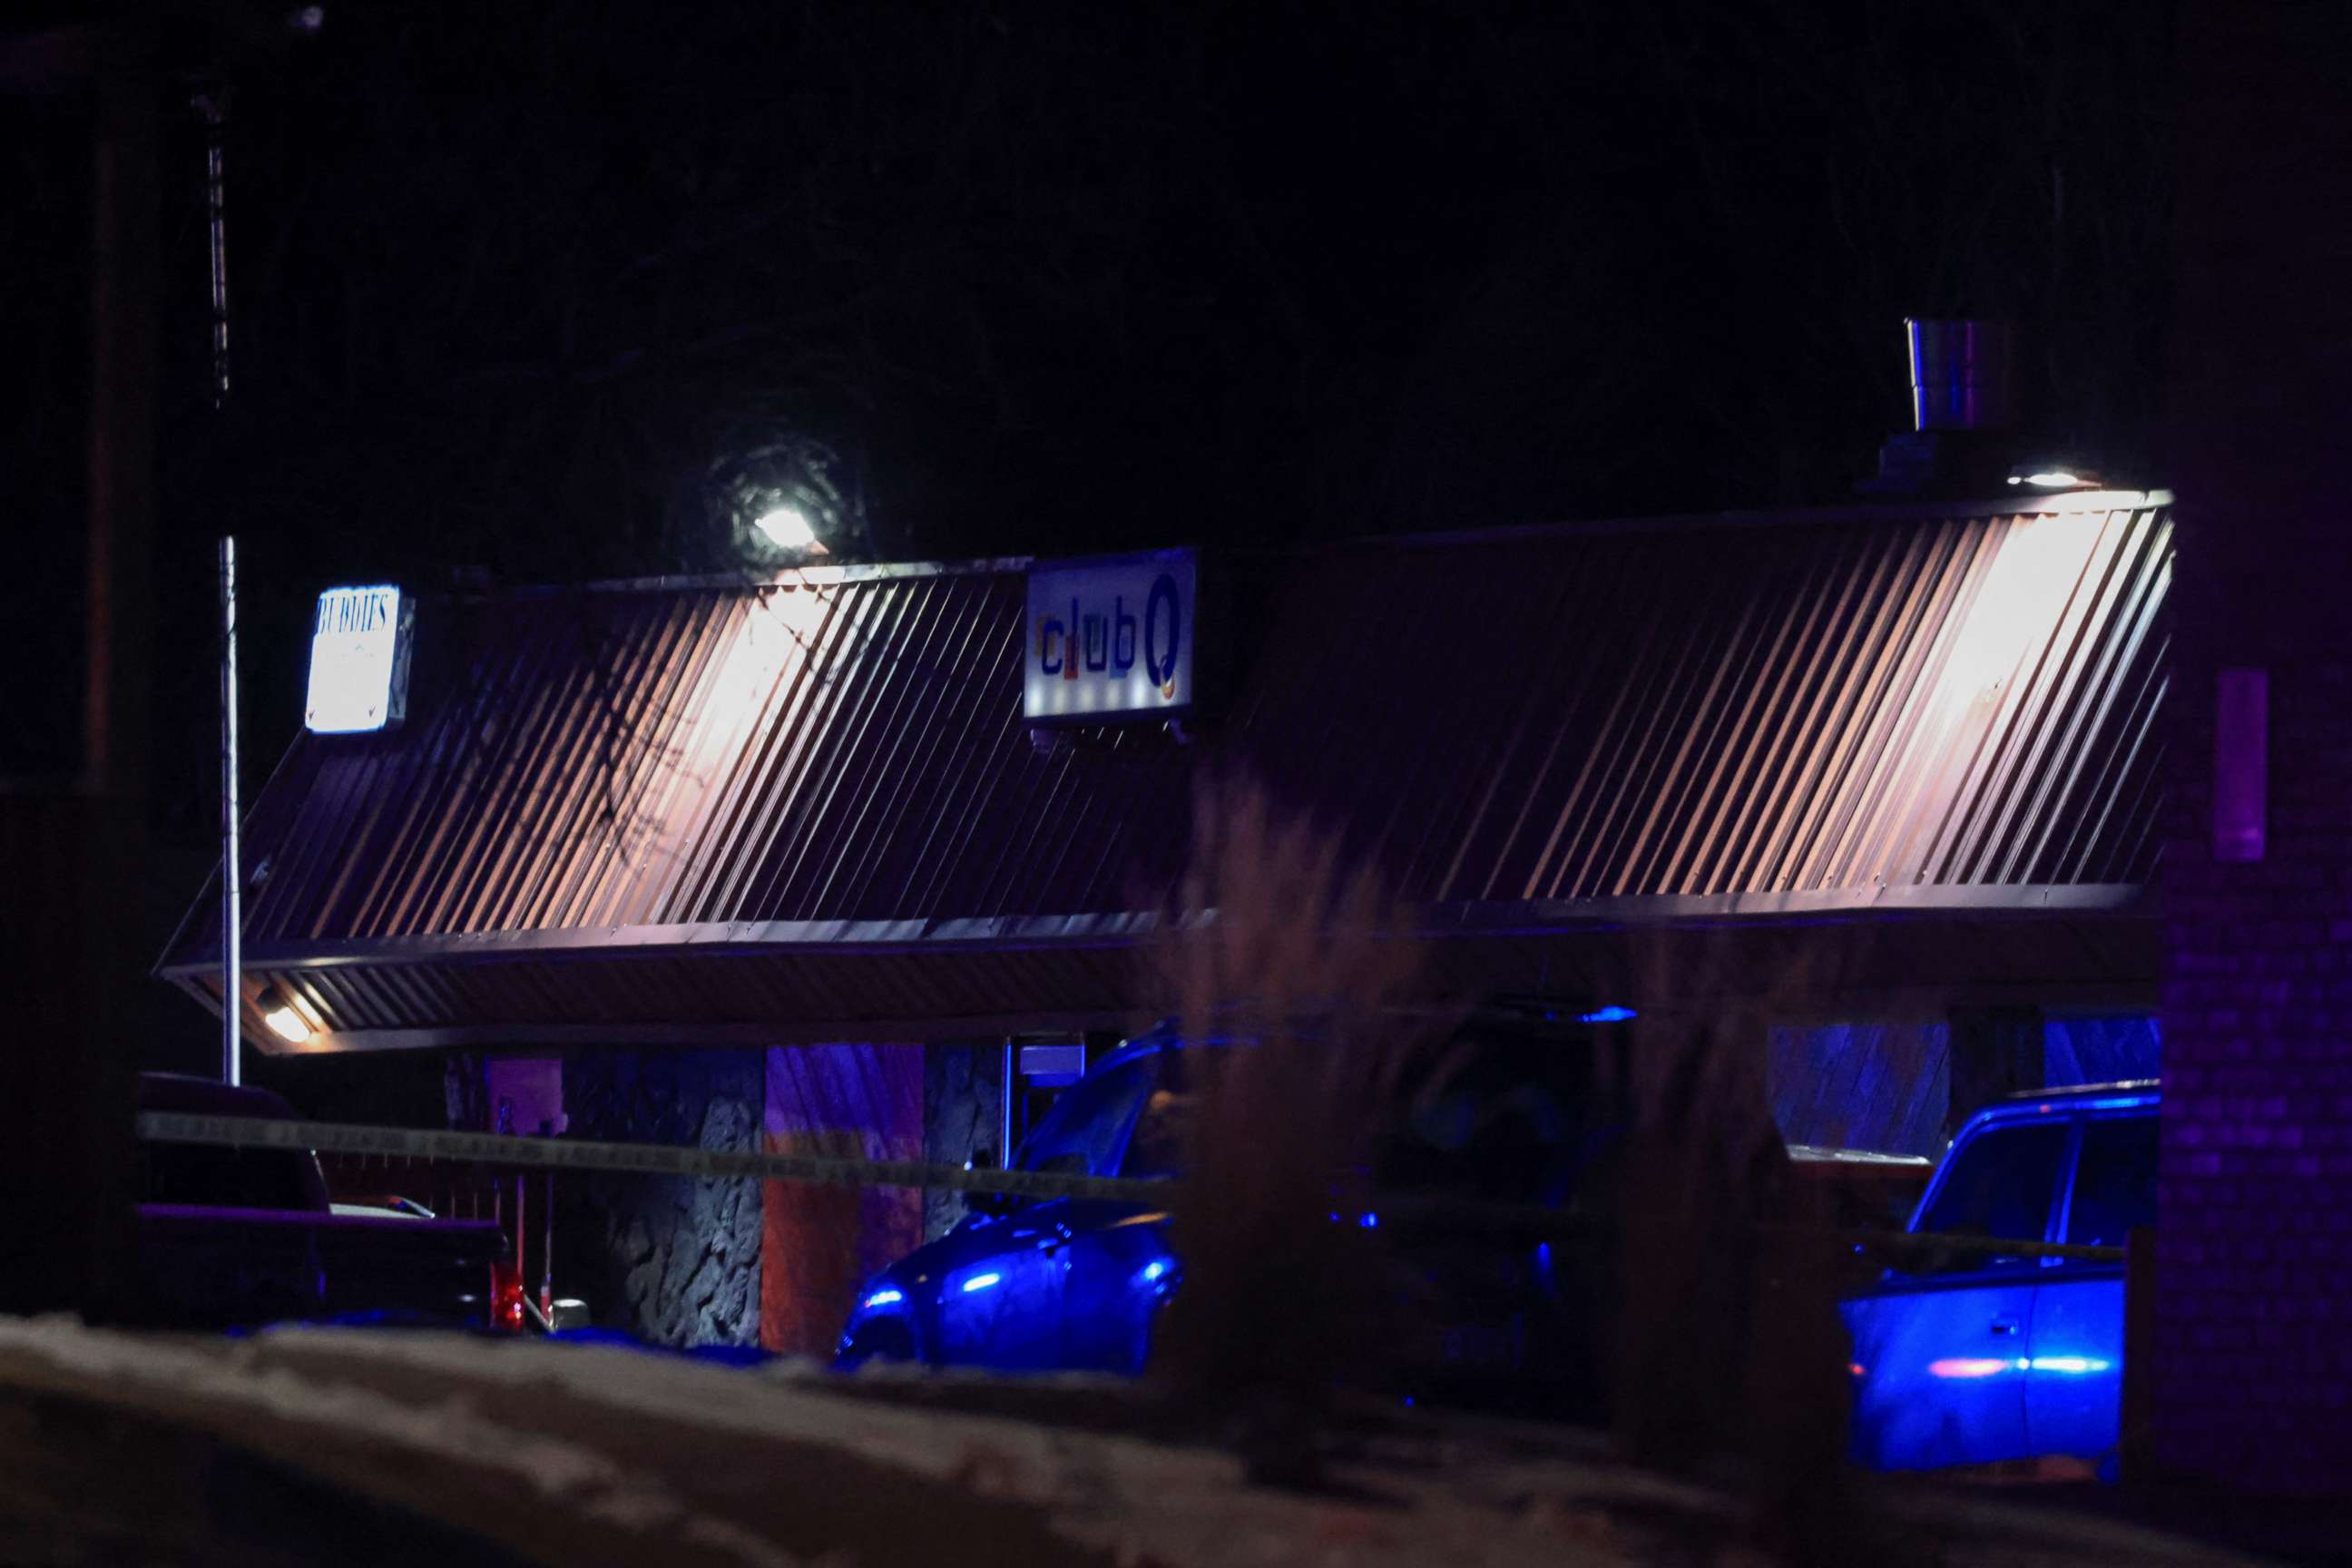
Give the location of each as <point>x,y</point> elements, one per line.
<point>826,860</point>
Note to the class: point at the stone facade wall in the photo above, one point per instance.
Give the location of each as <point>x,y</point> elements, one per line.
<point>673,1261</point>
<point>2252,1323</point>
<point>963,1115</point>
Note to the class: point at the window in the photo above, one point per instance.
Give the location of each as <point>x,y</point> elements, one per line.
<point>2115,1181</point>
<point>1080,1136</point>
<point>1999,1185</point>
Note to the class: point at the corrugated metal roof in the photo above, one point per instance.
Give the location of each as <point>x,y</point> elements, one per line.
<point>843,749</point>
<point>1843,704</point>
<point>1840,710</point>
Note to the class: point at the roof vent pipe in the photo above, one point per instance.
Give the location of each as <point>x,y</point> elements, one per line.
<point>1960,374</point>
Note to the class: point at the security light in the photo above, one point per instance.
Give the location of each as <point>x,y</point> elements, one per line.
<point>787,528</point>
<point>283,1021</point>
<point>2051,474</point>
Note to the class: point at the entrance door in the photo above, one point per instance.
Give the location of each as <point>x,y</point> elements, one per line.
<point>2073,1387</point>
<point>1121,1271</point>
<point>1943,1348</point>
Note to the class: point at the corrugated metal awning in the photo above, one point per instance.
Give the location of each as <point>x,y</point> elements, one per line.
<point>599,794</point>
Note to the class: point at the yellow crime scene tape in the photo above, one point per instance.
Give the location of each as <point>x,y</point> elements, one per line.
<point>720,1164</point>
<point>628,1159</point>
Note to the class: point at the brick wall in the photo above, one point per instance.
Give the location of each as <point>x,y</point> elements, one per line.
<point>2254,1248</point>
<point>2253,1322</point>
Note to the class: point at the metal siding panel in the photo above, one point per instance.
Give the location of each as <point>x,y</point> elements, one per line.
<point>942,727</point>
<point>1878,652</point>
<point>1724,829</point>
<point>739,847</point>
<point>625,891</point>
<point>1882,801</point>
<point>2038,795</point>
<point>723,847</point>
<point>1883,702</point>
<point>1948,729</point>
<point>445,898</point>
<point>588,886</point>
<point>2105,752</point>
<point>855,683</point>
<point>1788,787</point>
<point>2005,749</point>
<point>568,780</point>
<point>894,776</point>
<point>1756,653</point>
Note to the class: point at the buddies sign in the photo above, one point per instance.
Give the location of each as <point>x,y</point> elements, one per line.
<point>359,661</point>
<point>1110,639</point>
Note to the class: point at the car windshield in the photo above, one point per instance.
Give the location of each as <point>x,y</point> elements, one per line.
<point>1999,1185</point>
<point>1080,1136</point>
<point>1504,1121</point>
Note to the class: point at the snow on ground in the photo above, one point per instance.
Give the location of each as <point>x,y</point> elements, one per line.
<point>659,1450</point>
<point>453,1430</point>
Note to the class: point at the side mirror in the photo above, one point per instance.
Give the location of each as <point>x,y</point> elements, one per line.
<point>569,1312</point>
<point>995,1206</point>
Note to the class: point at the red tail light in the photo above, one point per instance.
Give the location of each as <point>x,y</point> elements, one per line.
<point>505,1298</point>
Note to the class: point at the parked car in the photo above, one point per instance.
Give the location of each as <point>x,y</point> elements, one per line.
<point>1079,1284</point>
<point>234,1238</point>
<point>1965,1357</point>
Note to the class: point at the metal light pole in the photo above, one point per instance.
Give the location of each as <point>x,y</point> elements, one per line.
<point>212,103</point>
<point>232,883</point>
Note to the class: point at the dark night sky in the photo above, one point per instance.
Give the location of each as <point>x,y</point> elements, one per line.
<point>1070,277</point>
<point>510,279</point>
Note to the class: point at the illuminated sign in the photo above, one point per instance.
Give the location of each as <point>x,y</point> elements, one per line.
<point>359,661</point>
<point>1110,639</point>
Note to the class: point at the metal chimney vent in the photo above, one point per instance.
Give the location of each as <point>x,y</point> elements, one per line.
<point>1960,376</point>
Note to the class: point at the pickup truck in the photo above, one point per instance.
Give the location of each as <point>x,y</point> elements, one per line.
<point>1968,1357</point>
<point>237,1237</point>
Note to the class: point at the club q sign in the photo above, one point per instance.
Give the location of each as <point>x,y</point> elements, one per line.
<point>1110,639</point>
<point>359,661</point>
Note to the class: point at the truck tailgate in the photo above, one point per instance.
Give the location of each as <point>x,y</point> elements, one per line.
<point>208,1267</point>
